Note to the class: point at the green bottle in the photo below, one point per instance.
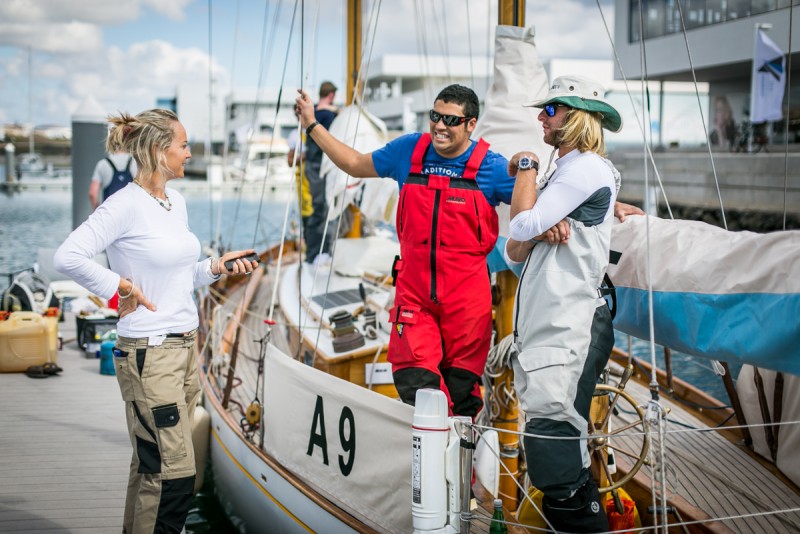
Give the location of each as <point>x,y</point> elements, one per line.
<point>498,525</point>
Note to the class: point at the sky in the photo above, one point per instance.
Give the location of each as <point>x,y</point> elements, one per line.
<point>128,53</point>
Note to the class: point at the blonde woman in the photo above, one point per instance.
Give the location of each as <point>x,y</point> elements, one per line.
<point>154,267</point>
<point>562,327</point>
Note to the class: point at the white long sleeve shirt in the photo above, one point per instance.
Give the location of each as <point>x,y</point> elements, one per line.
<point>147,244</point>
<point>582,180</point>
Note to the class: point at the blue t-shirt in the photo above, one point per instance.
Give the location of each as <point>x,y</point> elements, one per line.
<point>394,161</point>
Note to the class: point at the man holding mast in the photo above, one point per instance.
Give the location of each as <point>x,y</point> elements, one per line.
<point>447,225</point>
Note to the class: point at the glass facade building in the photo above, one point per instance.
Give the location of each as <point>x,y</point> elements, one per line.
<point>656,18</point>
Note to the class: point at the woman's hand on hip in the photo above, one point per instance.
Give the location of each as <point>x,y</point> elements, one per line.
<point>129,304</point>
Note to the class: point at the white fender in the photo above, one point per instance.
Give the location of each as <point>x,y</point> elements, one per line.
<point>429,442</point>
<point>201,431</point>
<point>487,461</point>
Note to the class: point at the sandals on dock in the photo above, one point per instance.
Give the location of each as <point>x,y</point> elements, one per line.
<point>43,371</point>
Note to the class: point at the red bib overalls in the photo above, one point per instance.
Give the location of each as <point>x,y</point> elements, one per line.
<point>442,315</point>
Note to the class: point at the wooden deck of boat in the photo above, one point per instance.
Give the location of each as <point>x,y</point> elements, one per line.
<point>64,448</point>
<point>708,471</point>
<point>715,475</point>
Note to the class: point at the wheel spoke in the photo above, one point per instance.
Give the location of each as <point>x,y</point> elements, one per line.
<point>617,431</point>
<point>626,452</point>
<point>610,410</point>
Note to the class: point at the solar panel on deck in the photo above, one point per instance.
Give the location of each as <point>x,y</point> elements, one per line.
<point>338,298</point>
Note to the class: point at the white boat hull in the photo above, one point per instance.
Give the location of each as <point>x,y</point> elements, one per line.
<point>256,497</point>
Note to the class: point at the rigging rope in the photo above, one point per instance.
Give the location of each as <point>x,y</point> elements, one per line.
<point>702,116</point>
<point>210,127</point>
<point>788,110</point>
<point>263,66</point>
<point>372,25</point>
<point>618,62</point>
<point>469,42</point>
<point>216,239</point>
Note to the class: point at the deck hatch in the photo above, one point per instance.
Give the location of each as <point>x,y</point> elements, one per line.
<point>338,298</point>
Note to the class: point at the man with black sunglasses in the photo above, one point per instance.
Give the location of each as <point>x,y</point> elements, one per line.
<point>562,326</point>
<point>447,225</point>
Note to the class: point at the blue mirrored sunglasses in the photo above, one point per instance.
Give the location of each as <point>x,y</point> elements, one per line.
<point>449,120</point>
<point>550,109</point>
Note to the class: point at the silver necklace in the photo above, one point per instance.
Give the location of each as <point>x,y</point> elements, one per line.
<point>167,205</point>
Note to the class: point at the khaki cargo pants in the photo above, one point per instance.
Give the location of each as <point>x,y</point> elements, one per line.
<point>160,387</point>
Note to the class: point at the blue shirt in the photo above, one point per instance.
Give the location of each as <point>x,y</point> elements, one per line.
<point>394,161</point>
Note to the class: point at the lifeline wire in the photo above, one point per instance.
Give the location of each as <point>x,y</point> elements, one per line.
<point>362,75</point>
<point>702,116</point>
<point>633,105</point>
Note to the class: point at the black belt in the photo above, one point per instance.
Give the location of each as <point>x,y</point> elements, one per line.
<point>183,334</point>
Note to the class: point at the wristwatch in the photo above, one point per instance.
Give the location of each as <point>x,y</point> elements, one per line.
<point>525,163</point>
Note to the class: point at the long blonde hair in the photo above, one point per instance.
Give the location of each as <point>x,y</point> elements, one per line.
<point>582,130</point>
<point>146,137</point>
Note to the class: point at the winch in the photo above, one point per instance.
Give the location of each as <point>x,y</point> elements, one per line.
<point>345,334</point>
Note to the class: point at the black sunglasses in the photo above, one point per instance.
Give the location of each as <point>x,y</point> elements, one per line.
<point>550,109</point>
<point>449,120</point>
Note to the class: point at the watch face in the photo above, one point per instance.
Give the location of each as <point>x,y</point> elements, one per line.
<point>525,163</point>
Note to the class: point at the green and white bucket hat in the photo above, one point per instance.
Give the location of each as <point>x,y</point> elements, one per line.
<point>581,93</point>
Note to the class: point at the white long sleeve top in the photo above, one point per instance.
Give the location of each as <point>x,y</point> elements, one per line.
<point>149,245</point>
<point>579,178</point>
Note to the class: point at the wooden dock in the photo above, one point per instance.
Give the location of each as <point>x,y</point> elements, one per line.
<point>64,448</point>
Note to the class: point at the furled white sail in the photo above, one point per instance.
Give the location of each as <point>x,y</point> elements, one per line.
<point>337,437</point>
<point>506,124</point>
<point>787,436</point>
<point>732,296</point>
<point>358,128</point>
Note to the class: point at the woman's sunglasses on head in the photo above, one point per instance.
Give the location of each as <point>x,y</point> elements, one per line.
<point>448,120</point>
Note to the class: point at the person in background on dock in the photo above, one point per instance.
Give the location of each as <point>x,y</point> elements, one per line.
<point>324,113</point>
<point>724,127</point>
<point>562,326</point>
<point>304,201</point>
<point>154,268</point>
<point>111,174</point>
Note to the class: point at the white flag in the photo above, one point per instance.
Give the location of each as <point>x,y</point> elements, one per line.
<point>769,80</point>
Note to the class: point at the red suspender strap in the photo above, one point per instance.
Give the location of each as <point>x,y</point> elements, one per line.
<point>475,159</point>
<point>418,155</point>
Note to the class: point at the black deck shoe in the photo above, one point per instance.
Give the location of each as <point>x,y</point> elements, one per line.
<point>36,371</point>
<point>583,512</point>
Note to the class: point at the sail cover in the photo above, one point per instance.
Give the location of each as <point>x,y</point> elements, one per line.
<point>506,124</point>
<point>731,296</point>
<point>350,444</point>
<point>358,128</point>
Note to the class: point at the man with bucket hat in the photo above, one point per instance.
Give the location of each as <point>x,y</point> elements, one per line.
<point>563,329</point>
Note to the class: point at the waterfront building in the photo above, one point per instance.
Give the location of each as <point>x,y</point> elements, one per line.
<point>720,34</point>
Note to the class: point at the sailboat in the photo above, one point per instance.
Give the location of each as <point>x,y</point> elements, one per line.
<point>307,433</point>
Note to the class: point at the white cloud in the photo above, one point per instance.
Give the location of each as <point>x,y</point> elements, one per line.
<point>71,59</point>
<point>564,28</point>
<point>61,38</point>
<point>173,9</point>
<point>91,11</point>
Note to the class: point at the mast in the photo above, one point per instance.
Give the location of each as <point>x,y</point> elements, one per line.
<point>353,69</point>
<point>509,13</point>
<point>353,47</point>
<point>30,99</point>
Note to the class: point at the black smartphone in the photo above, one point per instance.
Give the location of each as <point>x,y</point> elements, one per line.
<point>250,257</point>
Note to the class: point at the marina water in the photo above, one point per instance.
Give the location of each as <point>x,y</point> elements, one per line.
<point>32,220</point>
